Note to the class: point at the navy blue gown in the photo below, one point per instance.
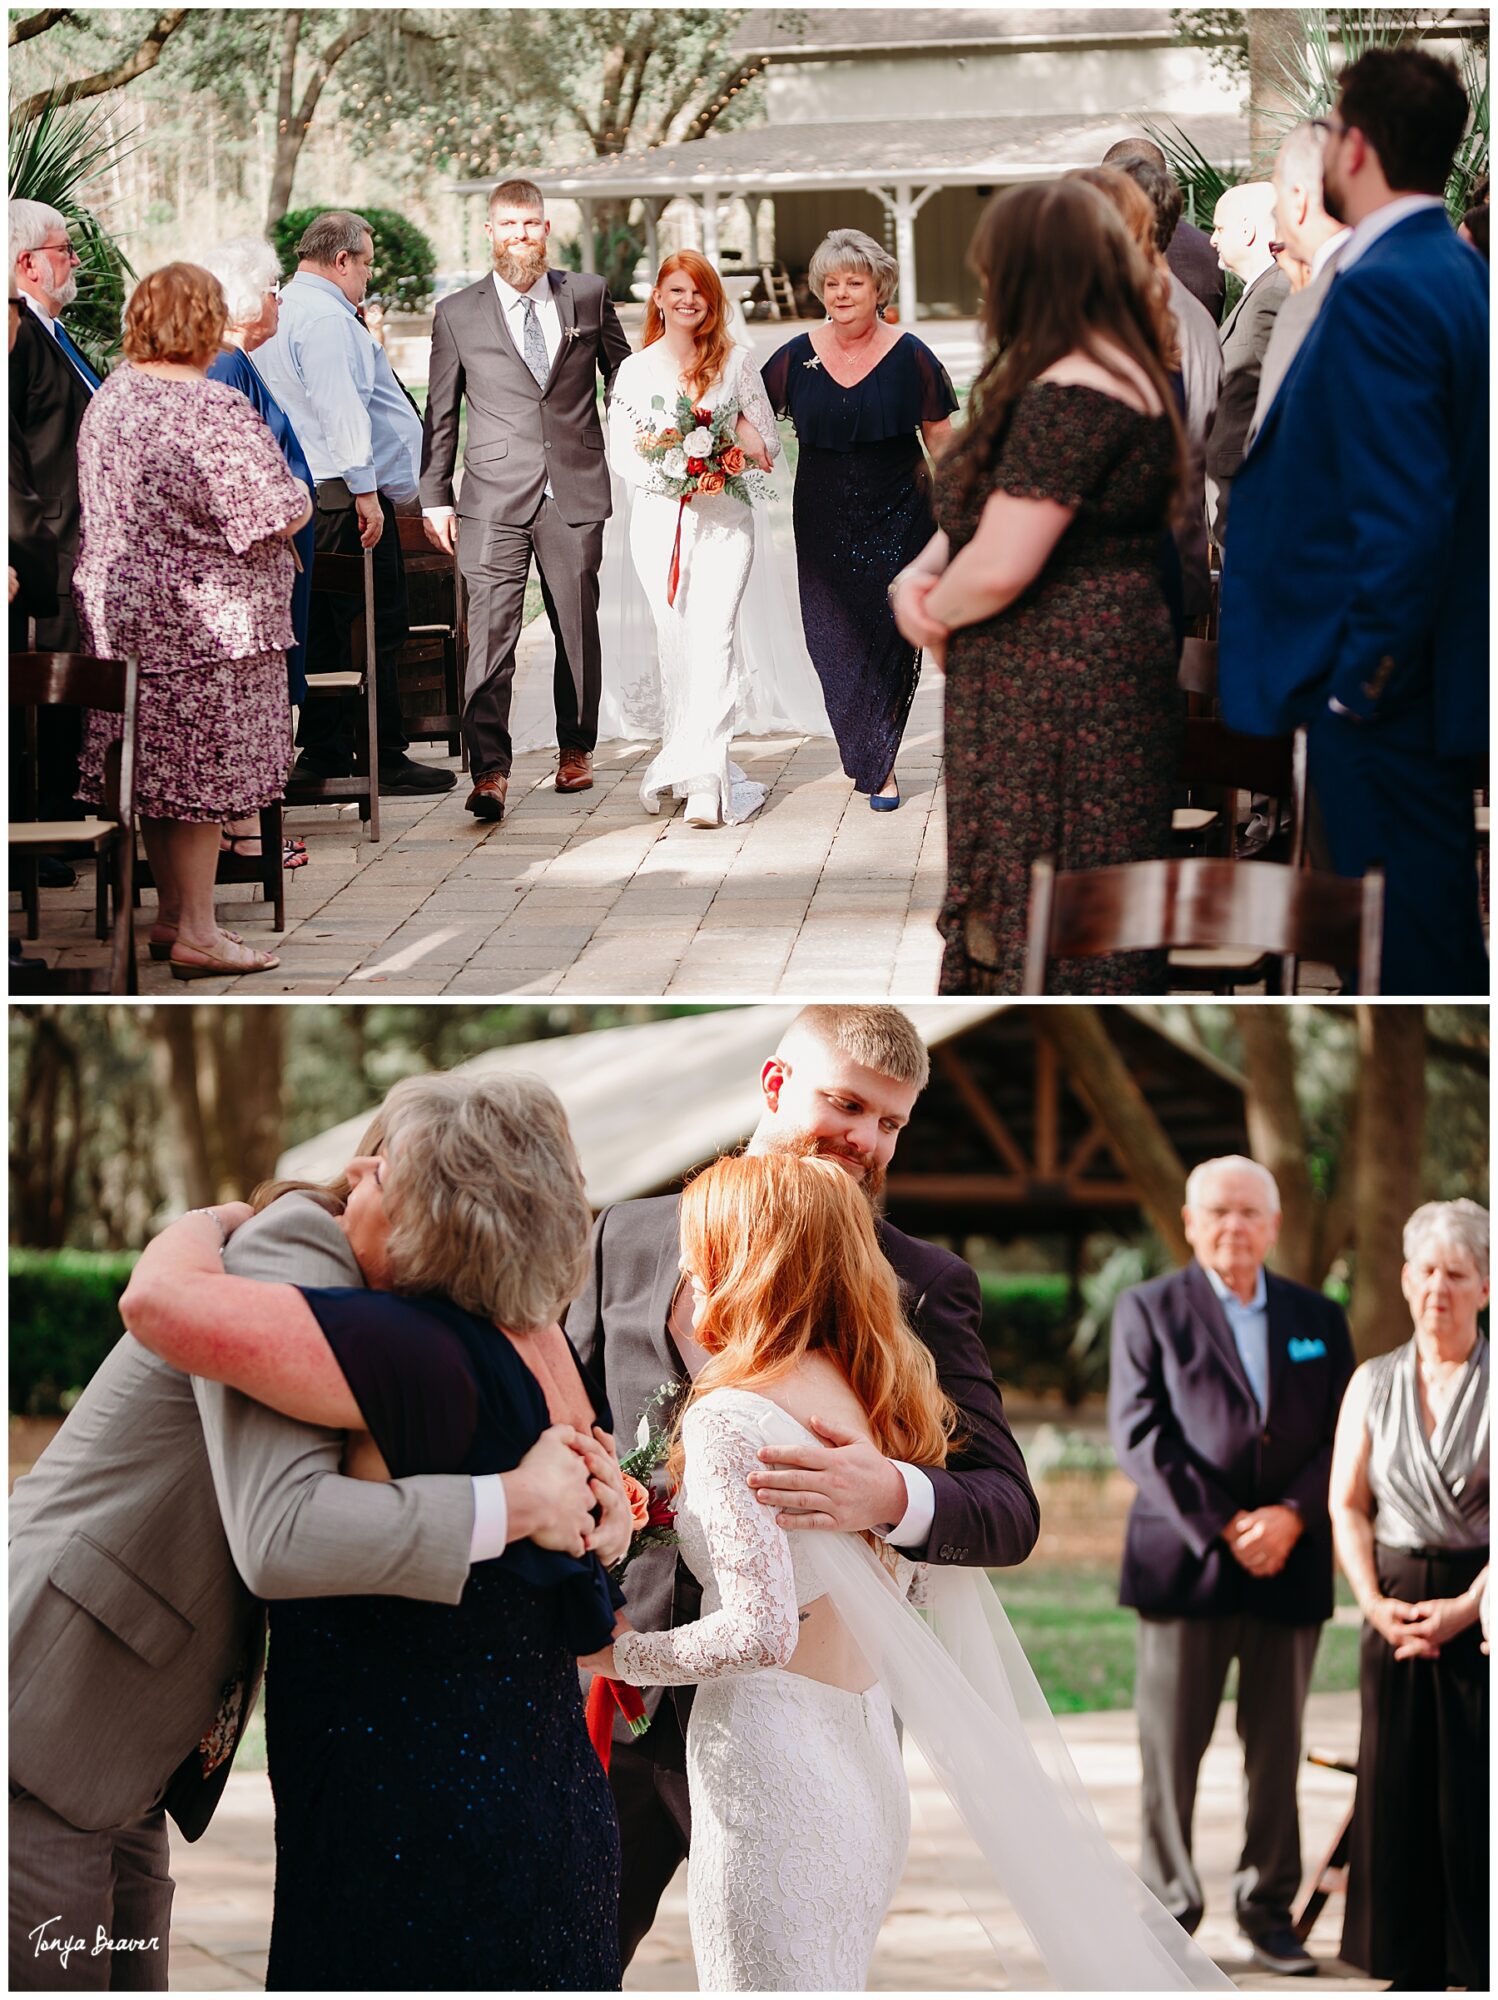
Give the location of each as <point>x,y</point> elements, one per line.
<point>862,511</point>
<point>234,366</point>
<point>442,1820</point>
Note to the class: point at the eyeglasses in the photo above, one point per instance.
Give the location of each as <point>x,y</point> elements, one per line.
<point>1330,127</point>
<point>63,249</point>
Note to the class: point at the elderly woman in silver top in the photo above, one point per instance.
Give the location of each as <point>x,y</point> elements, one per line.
<point>1409,1507</point>
<point>250,273</point>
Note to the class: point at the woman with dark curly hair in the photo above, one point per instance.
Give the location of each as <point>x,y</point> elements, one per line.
<point>188,509</point>
<point>1043,589</point>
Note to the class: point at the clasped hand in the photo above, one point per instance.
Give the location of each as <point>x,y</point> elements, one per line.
<point>915,622</point>
<point>1261,1538</point>
<point>845,1484</point>
<point>1418,1631</point>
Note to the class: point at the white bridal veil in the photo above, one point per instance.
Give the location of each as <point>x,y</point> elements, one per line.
<point>968,1697</point>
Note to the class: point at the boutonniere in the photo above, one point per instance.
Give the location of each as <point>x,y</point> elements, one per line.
<point>571,332</point>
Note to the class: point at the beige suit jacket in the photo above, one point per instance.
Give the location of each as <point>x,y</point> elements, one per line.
<point>143,1540</point>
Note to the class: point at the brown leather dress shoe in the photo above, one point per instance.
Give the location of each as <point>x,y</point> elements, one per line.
<point>487,799</point>
<point>575,771</point>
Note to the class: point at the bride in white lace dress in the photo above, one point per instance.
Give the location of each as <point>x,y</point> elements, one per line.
<point>687,346</point>
<point>810,1643</point>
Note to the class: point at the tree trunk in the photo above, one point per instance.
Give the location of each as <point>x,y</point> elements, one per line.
<point>177,1065</point>
<point>44,1166</point>
<point>292,126</point>
<point>1390,1147</point>
<point>1276,1135</point>
<point>1274,34</point>
<point>1097,1073</point>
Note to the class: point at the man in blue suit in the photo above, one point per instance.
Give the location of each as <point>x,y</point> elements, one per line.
<point>1355,590</point>
<point>1223,1394</point>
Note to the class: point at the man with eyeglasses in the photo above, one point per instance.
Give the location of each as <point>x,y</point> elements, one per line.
<point>51,383</point>
<point>1355,591</point>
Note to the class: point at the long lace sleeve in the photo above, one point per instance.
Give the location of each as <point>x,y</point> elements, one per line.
<point>756,1626</point>
<point>625,422</point>
<point>756,405</point>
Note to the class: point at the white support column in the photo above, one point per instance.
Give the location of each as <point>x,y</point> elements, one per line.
<point>589,250</point>
<point>905,205</point>
<point>710,226</point>
<point>652,208</point>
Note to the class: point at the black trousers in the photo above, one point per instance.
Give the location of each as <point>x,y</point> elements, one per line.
<point>495,557</point>
<point>1417,1886</point>
<point>655,1821</point>
<point>1182,1665</point>
<point>326,729</point>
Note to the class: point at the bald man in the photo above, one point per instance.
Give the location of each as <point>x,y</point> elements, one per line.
<point>1242,231</point>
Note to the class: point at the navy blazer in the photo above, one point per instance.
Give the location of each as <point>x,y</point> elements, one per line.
<point>1358,562</point>
<point>1186,1427</point>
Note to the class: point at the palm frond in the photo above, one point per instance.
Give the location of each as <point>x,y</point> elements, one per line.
<point>52,157</point>
<point>1203,183</point>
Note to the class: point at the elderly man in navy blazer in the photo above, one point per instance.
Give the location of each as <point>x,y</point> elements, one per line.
<point>1355,581</point>
<point>1223,1396</point>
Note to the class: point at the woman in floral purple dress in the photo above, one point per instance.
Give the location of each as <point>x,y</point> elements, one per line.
<point>188,508</point>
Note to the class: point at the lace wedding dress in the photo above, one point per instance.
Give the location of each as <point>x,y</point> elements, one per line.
<point>697,685</point>
<point>800,1814</point>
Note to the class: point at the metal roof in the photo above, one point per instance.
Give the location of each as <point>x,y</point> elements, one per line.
<point>856,154</point>
<point>835,31</point>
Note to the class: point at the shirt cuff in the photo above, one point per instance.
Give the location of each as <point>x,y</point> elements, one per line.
<point>436,513</point>
<point>361,480</point>
<point>913,1529</point>
<point>491,1519</point>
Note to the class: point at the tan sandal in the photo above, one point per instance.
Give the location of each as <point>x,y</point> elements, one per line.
<point>204,967</point>
<point>161,948</point>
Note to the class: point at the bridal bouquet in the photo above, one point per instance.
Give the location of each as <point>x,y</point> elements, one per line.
<point>654,1528</point>
<point>697,452</point>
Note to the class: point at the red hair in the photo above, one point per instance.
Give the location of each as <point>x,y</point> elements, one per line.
<point>713,340</point>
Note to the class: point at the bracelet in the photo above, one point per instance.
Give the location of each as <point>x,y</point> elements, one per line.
<point>223,1234</point>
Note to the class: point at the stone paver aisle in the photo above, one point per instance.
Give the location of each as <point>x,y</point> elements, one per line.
<point>587,894</point>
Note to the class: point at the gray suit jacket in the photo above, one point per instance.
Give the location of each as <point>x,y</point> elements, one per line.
<point>1292,323</point>
<point>149,1529</point>
<point>520,434</point>
<point>1245,339</point>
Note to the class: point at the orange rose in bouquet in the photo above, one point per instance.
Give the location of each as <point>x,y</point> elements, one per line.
<point>733,460</point>
<point>711,480</point>
<point>638,1497</point>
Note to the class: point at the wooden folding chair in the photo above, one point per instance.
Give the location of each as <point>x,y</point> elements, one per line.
<point>1329,1877</point>
<point>348,576</point>
<point>75,680</point>
<point>1214,756</point>
<point>1287,913</point>
<point>430,671</point>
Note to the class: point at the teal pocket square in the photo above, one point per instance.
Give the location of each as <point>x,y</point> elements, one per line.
<point>1307,1350</point>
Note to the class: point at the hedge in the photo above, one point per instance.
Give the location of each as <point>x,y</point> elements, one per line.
<point>64,1318</point>
<point>404,261</point>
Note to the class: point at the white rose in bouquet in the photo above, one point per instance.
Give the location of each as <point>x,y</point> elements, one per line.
<point>698,444</point>
<point>674,464</point>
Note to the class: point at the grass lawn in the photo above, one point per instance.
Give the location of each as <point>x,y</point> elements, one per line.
<point>1081,1642</point>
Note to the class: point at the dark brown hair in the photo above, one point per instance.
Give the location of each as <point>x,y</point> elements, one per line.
<point>1411,108</point>
<point>1060,275</point>
<point>175,314</point>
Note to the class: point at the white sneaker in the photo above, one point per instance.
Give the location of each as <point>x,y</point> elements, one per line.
<point>702,809</point>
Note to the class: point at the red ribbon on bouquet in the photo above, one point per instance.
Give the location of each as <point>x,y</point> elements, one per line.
<point>675,576</point>
<point>604,1697</point>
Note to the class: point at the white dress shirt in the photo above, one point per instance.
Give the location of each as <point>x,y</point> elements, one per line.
<point>1249,1325</point>
<point>491,1519</point>
<point>333,380</point>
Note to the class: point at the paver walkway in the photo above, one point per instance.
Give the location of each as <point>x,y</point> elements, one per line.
<point>932,1940</point>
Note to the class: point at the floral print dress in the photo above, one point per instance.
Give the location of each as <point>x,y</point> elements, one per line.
<point>1062,712</point>
<point>183,490</point>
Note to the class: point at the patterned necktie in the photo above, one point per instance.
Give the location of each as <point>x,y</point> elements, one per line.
<point>535,344</point>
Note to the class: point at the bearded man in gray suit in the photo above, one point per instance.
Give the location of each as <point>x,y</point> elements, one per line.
<point>525,346</point>
<point>142,1543</point>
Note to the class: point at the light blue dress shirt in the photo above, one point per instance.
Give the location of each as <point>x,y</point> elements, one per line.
<point>1250,1329</point>
<point>332,379</point>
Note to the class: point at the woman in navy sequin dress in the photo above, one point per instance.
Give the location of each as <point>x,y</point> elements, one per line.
<point>861,396</point>
<point>442,1820</point>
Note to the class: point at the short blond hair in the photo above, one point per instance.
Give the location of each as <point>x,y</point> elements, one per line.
<point>176,314</point>
<point>485,1196</point>
<point>1461,1225</point>
<point>877,1038</point>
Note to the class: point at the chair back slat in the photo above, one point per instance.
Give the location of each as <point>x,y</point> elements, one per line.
<point>1162,905</point>
<point>339,575</point>
<point>1214,755</point>
<point>67,680</point>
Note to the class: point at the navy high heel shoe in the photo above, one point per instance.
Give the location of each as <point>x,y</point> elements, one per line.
<point>880,804</point>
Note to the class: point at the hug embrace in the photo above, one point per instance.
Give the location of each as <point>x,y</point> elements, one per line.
<point>356,1404</point>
